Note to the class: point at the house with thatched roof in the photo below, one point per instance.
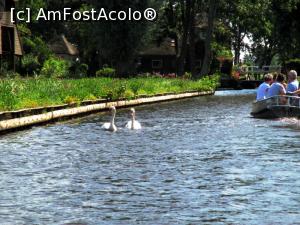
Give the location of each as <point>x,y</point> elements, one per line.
<point>158,58</point>
<point>64,49</point>
<point>161,57</point>
<point>10,43</point>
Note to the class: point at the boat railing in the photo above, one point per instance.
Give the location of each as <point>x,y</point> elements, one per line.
<point>283,100</point>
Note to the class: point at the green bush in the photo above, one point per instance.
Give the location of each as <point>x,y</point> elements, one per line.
<point>106,72</point>
<point>187,76</point>
<point>78,70</point>
<point>135,86</point>
<point>293,64</point>
<point>55,68</point>
<point>83,70</point>
<point>30,64</point>
<point>120,91</point>
<point>37,46</point>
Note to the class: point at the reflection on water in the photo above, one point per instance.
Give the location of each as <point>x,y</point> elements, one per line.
<point>196,161</point>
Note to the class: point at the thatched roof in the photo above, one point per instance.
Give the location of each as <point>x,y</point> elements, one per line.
<point>61,46</point>
<point>167,48</point>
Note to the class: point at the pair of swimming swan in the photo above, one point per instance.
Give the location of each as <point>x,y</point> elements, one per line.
<point>132,124</point>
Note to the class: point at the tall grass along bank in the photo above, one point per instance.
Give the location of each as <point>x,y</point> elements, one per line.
<point>29,93</point>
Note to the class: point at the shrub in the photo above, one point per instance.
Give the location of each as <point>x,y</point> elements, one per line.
<point>83,69</point>
<point>129,95</point>
<point>56,68</point>
<point>30,64</point>
<point>71,100</point>
<point>187,76</point>
<point>91,97</point>
<point>120,91</point>
<point>106,72</point>
<point>37,47</point>
<point>78,70</point>
<point>135,86</point>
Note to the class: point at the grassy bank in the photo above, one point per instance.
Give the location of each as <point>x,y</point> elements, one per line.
<point>29,93</point>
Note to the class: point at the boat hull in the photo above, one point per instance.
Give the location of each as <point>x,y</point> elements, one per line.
<point>277,112</point>
<point>276,107</point>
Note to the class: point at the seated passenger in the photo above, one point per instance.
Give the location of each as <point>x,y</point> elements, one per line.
<point>277,88</point>
<point>293,84</point>
<point>263,88</point>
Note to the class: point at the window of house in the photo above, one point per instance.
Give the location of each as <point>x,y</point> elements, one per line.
<point>157,64</point>
<point>7,39</point>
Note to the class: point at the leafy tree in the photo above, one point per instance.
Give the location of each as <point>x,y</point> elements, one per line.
<point>111,42</point>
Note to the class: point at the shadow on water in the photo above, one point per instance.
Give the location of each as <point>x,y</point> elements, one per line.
<point>196,161</point>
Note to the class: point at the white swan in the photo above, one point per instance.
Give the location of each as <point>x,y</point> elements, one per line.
<point>133,124</point>
<point>111,125</point>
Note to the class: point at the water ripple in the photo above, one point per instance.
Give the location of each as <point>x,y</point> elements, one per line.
<point>196,161</point>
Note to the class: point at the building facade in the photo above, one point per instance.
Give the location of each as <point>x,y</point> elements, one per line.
<point>10,43</point>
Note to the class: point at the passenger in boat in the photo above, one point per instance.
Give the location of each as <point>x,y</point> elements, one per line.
<point>264,87</point>
<point>277,88</point>
<point>293,84</point>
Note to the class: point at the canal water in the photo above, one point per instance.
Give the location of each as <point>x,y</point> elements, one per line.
<point>196,161</point>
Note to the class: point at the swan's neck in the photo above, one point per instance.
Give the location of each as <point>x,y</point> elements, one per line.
<point>112,120</point>
<point>132,121</point>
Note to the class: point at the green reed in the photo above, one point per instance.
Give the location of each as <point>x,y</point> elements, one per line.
<point>29,93</point>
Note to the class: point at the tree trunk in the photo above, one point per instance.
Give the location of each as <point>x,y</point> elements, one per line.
<point>192,40</point>
<point>237,47</point>
<point>186,11</point>
<point>209,36</point>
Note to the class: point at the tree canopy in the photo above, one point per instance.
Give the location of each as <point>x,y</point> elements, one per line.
<point>206,28</point>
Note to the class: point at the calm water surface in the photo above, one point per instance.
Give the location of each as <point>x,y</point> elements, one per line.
<point>196,161</point>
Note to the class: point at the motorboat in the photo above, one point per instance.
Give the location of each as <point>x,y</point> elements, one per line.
<point>277,107</point>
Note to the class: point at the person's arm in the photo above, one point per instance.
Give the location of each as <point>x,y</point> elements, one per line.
<point>296,92</point>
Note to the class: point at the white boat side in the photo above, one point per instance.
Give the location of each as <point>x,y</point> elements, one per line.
<point>276,107</point>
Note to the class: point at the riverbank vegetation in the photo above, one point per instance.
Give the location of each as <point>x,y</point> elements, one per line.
<point>34,92</point>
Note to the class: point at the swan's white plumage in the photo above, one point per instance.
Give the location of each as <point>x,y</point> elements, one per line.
<point>133,124</point>
<point>111,125</point>
<point>137,125</point>
<point>107,126</point>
